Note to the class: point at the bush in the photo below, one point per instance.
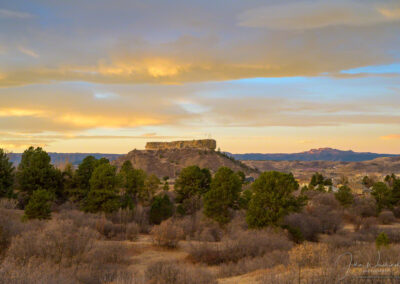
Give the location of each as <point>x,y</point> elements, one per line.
<point>243,244</point>
<point>141,217</point>
<point>364,206</point>
<point>327,210</point>
<point>196,227</point>
<point>39,205</point>
<point>171,273</point>
<point>386,217</point>
<point>132,231</point>
<point>60,242</point>
<point>167,234</point>
<point>109,252</point>
<point>308,254</point>
<point>309,226</point>
<point>382,240</point>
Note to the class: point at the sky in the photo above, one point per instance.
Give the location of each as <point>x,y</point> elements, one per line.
<point>258,76</point>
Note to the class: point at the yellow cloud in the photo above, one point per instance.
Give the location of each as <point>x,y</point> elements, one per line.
<point>20,112</point>
<point>93,121</point>
<point>391,137</point>
<point>390,13</point>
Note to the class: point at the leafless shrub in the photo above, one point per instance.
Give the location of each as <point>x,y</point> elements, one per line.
<point>79,218</point>
<point>386,217</point>
<point>175,272</point>
<point>122,216</point>
<point>197,227</point>
<point>241,245</point>
<point>338,241</point>
<point>396,211</point>
<point>6,203</point>
<point>167,234</point>
<point>249,264</point>
<point>60,242</point>
<point>364,207</point>
<point>141,217</point>
<point>328,211</point>
<point>392,234</point>
<point>11,226</point>
<point>132,231</point>
<point>309,226</point>
<point>109,252</point>
<point>35,272</point>
<point>308,254</point>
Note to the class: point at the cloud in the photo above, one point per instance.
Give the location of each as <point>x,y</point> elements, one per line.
<point>4,13</point>
<point>172,50</point>
<point>302,15</point>
<point>391,137</point>
<point>28,52</point>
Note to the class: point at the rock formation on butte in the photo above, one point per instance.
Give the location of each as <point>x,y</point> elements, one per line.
<point>169,158</point>
<point>205,144</point>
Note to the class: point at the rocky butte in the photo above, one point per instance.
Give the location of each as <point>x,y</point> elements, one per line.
<point>204,144</point>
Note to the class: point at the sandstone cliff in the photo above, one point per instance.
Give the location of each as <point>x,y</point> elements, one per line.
<point>208,144</point>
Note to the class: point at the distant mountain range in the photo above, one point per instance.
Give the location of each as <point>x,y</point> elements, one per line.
<point>321,154</point>
<point>62,158</point>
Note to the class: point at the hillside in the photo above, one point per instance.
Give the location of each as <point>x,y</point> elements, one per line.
<point>321,154</point>
<point>169,162</point>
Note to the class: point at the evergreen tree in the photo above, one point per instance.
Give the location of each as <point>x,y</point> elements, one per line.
<point>83,175</point>
<point>396,191</point>
<point>35,172</point>
<point>161,209</point>
<point>383,195</point>
<point>344,196</point>
<point>6,176</point>
<point>151,185</point>
<point>272,199</point>
<point>382,240</point>
<point>223,195</point>
<point>192,181</point>
<point>132,180</point>
<point>39,205</point>
<point>103,194</point>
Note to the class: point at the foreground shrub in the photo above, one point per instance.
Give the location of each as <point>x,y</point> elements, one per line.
<point>308,227</point>
<point>60,242</point>
<point>249,264</point>
<point>167,234</point>
<point>243,244</point>
<point>308,254</point>
<point>175,272</point>
<point>386,217</point>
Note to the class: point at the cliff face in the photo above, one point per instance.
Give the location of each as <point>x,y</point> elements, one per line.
<point>208,144</point>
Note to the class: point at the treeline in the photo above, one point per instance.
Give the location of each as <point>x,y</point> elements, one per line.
<point>97,186</point>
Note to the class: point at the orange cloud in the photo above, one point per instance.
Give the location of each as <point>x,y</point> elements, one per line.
<point>391,137</point>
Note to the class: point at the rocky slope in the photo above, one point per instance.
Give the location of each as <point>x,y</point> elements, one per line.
<point>169,162</point>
